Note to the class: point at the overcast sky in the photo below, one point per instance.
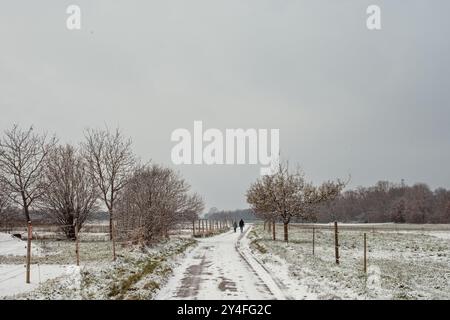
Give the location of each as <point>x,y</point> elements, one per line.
<point>372,104</point>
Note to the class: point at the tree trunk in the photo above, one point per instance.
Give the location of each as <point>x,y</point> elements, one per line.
<point>25,208</point>
<point>110,224</point>
<point>27,213</point>
<point>269,229</point>
<point>70,232</point>
<point>69,228</point>
<point>273,231</point>
<point>286,236</point>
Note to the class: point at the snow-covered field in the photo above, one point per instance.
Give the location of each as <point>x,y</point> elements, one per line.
<point>13,277</point>
<point>401,265</point>
<point>136,274</point>
<point>11,246</point>
<point>13,274</point>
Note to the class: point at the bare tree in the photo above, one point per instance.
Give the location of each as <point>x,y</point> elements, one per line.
<point>110,162</point>
<point>71,194</point>
<point>4,196</point>
<point>260,197</point>
<point>419,205</point>
<point>285,195</point>
<point>446,213</point>
<point>193,207</point>
<point>153,201</point>
<point>4,202</point>
<point>398,211</point>
<point>22,157</point>
<point>390,202</point>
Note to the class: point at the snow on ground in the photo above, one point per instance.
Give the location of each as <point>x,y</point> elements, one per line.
<point>137,273</point>
<point>277,279</point>
<point>11,246</point>
<point>12,277</point>
<point>441,235</point>
<point>412,265</point>
<point>217,270</point>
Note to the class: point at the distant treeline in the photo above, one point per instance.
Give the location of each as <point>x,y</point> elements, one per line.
<point>389,202</point>
<point>383,202</point>
<point>234,215</point>
<point>13,217</point>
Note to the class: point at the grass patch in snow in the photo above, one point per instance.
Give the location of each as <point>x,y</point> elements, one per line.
<point>413,265</point>
<point>258,246</point>
<point>119,289</point>
<point>137,273</point>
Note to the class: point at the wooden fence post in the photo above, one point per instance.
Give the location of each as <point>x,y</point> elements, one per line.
<point>365,253</point>
<point>273,230</point>
<point>314,236</point>
<point>193,228</point>
<point>203,227</point>
<point>29,229</point>
<point>114,239</point>
<point>77,247</point>
<point>336,242</point>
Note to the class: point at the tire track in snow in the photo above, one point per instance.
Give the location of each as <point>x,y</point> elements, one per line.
<point>273,284</point>
<point>216,270</point>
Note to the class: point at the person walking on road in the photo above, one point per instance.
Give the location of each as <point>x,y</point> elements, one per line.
<point>241,225</point>
<point>234,226</point>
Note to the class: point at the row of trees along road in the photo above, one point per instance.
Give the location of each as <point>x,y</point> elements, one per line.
<point>70,183</point>
<point>285,195</point>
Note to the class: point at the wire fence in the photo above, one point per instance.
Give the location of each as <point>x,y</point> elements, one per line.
<point>419,252</point>
<point>49,244</point>
<point>373,226</point>
<point>384,242</point>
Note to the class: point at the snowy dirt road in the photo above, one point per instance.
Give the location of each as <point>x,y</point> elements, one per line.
<point>222,268</point>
